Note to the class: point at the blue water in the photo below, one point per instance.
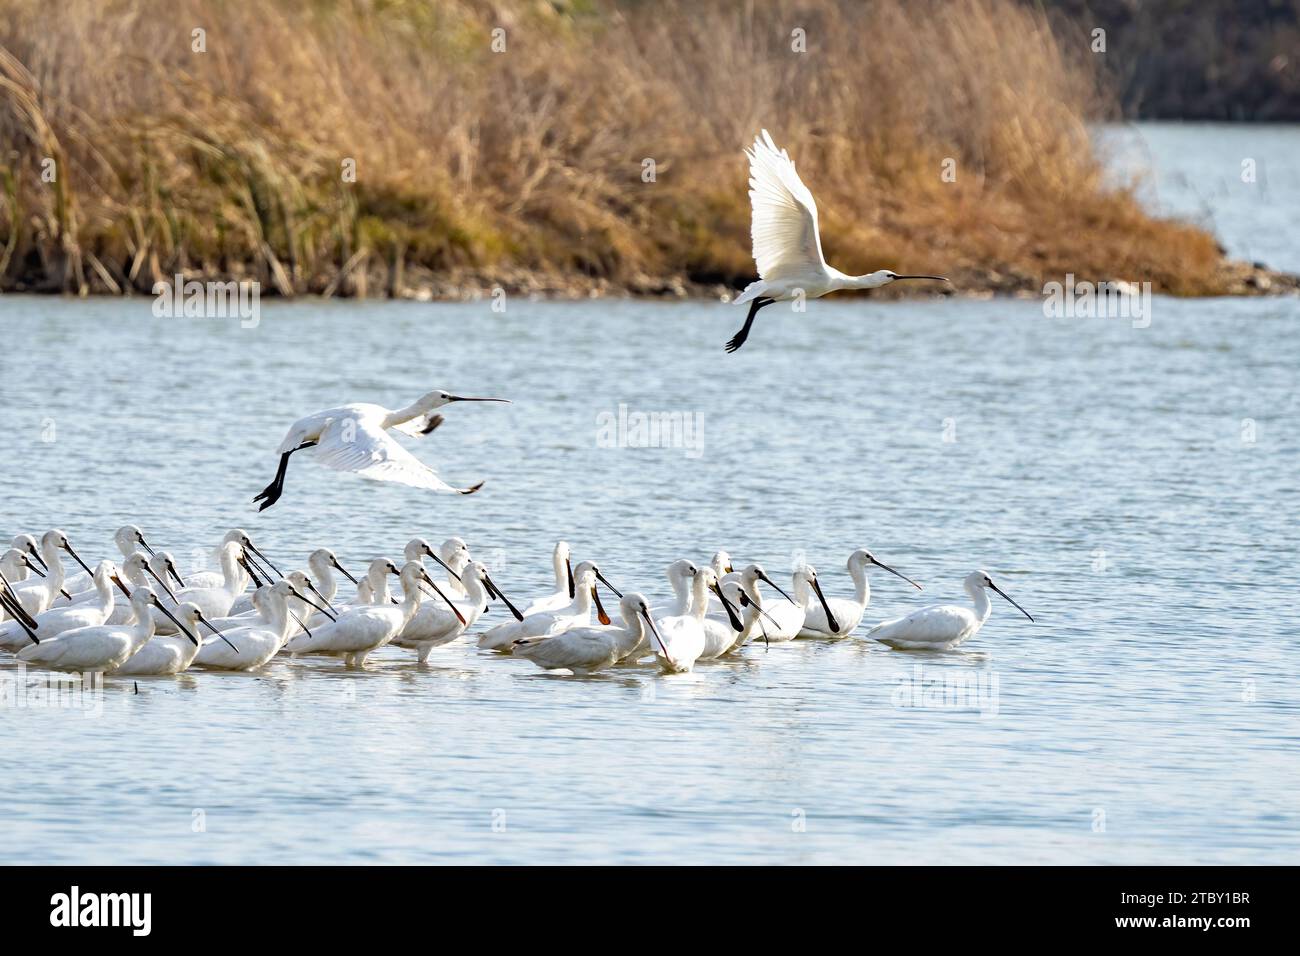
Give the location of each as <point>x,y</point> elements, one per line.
<point>1134,488</point>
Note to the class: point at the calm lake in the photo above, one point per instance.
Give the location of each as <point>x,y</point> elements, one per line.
<point>1135,488</point>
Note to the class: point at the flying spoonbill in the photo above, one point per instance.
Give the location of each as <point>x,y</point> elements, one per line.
<point>943,626</point>
<point>786,243</point>
<point>355,438</point>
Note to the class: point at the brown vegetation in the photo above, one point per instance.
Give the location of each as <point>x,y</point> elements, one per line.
<point>524,168</point>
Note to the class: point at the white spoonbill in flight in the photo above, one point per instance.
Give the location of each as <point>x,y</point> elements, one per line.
<point>355,438</point>
<point>787,244</point>
<point>942,627</point>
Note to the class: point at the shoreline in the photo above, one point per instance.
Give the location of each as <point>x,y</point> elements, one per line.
<point>1236,279</point>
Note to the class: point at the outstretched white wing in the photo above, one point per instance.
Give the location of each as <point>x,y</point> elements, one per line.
<point>784,228</point>
<point>362,447</point>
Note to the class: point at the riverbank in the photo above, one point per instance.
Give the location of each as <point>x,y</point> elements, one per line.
<point>442,150</point>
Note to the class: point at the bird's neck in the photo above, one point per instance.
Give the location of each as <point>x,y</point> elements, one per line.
<point>682,594</point>
<point>235,579</point>
<point>861,586</point>
<point>983,606</point>
<point>870,281</point>
<point>458,564</point>
<point>144,626</point>
<point>700,600</point>
<point>106,599</point>
<point>410,602</point>
<point>634,632</point>
<point>280,621</point>
<point>475,591</point>
<point>328,587</point>
<point>54,577</point>
<point>403,415</point>
<point>802,593</point>
<point>190,650</point>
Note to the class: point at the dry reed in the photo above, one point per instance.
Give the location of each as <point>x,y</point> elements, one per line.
<point>525,167</point>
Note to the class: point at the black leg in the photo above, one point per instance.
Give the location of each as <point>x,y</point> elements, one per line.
<point>271,493</point>
<point>738,339</point>
<point>431,424</point>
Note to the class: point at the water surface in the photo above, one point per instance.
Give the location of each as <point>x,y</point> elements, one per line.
<point>1134,488</point>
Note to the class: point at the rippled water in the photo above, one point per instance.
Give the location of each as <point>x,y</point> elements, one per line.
<point>1108,474</point>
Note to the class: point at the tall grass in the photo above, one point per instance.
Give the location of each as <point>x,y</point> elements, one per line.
<point>524,167</point>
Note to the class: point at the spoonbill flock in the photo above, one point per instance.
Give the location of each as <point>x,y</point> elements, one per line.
<point>125,617</point>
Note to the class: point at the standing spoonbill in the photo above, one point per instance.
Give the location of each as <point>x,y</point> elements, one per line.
<point>56,620</point>
<point>355,438</point>
<point>586,649</point>
<point>781,616</point>
<point>249,646</point>
<point>786,242</point>
<point>323,563</point>
<point>942,627</point>
<point>717,625</point>
<point>434,625</point>
<point>682,637</point>
<point>564,589</point>
<point>847,613</point>
<point>41,593</point>
<point>361,630</point>
<point>214,579</point>
<point>27,545</point>
<point>681,575</point>
<point>16,565</point>
<point>548,623</point>
<point>102,648</point>
<point>163,655</point>
<point>452,556</point>
<point>214,602</point>
<point>128,540</point>
<point>455,556</point>
<point>720,633</point>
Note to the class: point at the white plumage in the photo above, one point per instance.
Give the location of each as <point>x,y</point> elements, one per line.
<point>354,438</point>
<point>787,244</point>
<point>101,648</point>
<point>56,620</point>
<point>943,626</point>
<point>847,612</point>
<point>549,623</point>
